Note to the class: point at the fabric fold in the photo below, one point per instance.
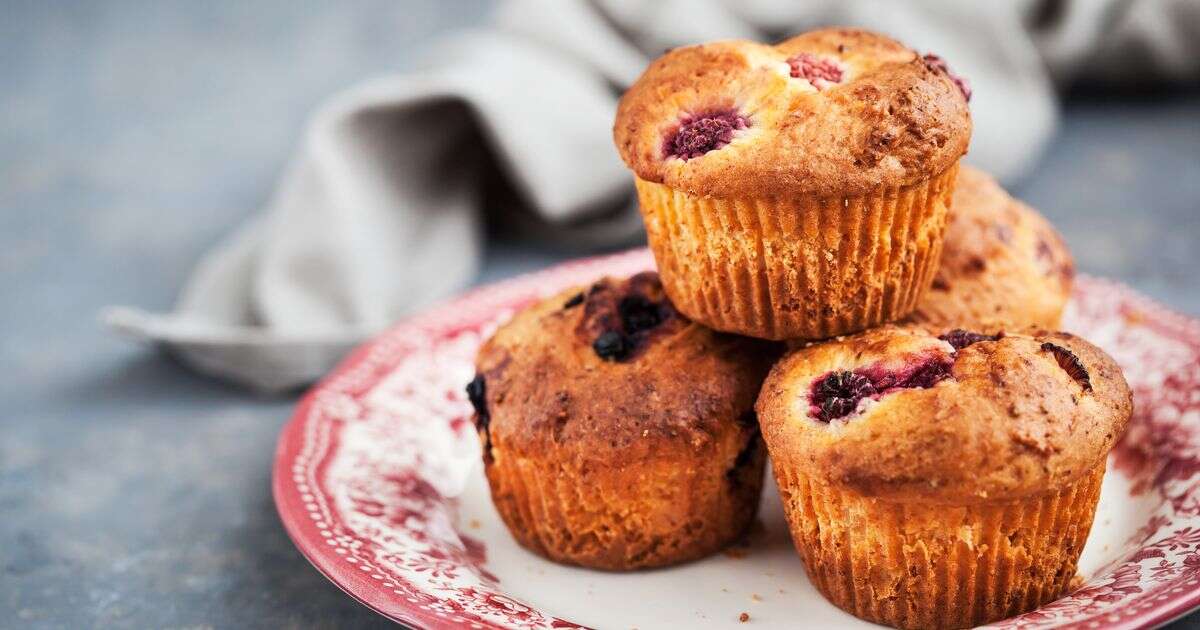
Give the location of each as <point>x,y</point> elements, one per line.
<point>380,211</point>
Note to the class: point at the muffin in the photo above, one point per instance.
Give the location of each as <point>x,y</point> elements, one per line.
<point>797,190</point>
<point>618,434</point>
<point>1003,267</point>
<point>942,481</point>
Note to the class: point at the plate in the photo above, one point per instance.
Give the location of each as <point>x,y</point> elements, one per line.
<point>377,480</point>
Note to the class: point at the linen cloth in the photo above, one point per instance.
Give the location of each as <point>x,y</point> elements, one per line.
<point>381,208</point>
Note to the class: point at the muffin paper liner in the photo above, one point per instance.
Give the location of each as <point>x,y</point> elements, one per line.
<point>625,517</point>
<point>923,565</point>
<point>797,267</point>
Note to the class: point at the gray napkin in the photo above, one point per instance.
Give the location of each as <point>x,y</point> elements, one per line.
<point>380,210</point>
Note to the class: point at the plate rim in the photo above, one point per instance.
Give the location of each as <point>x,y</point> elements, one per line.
<point>345,580</point>
<point>286,494</point>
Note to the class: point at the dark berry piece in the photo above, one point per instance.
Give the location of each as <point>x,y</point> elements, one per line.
<point>477,394</point>
<point>937,63</point>
<point>922,373</point>
<point>575,300</point>
<point>838,394</point>
<point>1004,233</point>
<point>960,338</point>
<point>1044,252</point>
<point>1070,363</point>
<point>927,375</point>
<point>1066,271</point>
<point>845,383</point>
<point>638,314</point>
<point>816,70</point>
<point>698,135</point>
<point>612,346</point>
<point>834,408</point>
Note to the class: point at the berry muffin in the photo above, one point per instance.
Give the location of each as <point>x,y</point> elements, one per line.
<point>942,481</point>
<point>616,433</point>
<point>797,190</point>
<point>1003,265</point>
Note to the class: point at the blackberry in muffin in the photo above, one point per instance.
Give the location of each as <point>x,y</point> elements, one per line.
<point>617,433</point>
<point>942,480</point>
<point>1003,265</point>
<point>797,190</point>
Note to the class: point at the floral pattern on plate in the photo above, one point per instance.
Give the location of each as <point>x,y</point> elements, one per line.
<point>366,471</point>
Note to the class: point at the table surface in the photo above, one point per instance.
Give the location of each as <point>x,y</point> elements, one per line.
<point>136,494</point>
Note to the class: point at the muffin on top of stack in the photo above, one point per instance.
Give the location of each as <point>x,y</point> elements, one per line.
<point>938,448</point>
<point>798,190</point>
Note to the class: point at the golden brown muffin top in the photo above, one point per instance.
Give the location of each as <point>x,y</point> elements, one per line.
<point>833,111</point>
<point>1003,265</point>
<point>613,373</point>
<point>903,414</point>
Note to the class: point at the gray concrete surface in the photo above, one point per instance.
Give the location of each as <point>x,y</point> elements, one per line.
<point>134,494</point>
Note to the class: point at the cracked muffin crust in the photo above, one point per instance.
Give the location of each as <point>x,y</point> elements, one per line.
<point>830,112</point>
<point>796,190</point>
<point>1003,265</point>
<point>618,434</point>
<point>921,471</point>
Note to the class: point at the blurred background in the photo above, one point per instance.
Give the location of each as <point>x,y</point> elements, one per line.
<point>135,136</point>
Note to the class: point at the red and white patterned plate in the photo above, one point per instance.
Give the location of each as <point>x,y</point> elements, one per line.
<point>377,481</point>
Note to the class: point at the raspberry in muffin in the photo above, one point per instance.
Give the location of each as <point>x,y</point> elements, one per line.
<point>1003,265</point>
<point>796,190</point>
<point>617,434</point>
<point>942,481</point>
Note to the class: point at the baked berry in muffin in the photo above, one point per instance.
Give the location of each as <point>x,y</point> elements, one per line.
<point>1003,265</point>
<point>796,190</point>
<point>942,481</point>
<point>618,434</point>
